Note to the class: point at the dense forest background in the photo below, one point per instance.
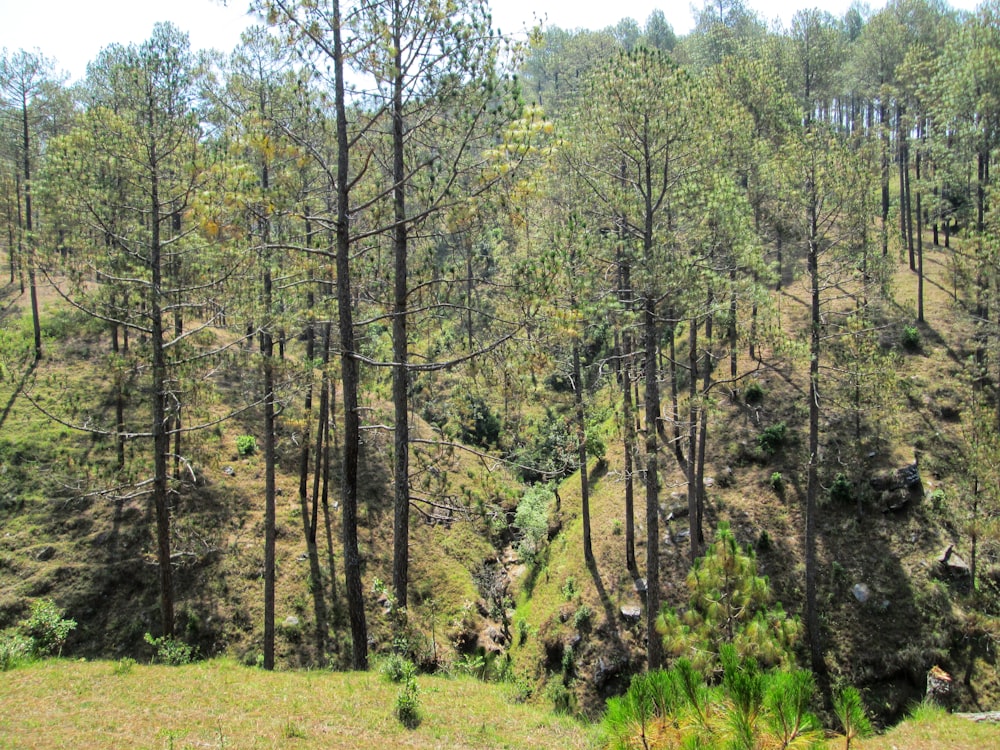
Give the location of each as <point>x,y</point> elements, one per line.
<point>384,333</point>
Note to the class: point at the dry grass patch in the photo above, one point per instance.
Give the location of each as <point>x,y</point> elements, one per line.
<point>219,704</point>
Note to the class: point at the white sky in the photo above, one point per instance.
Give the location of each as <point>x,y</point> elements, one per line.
<point>73,31</point>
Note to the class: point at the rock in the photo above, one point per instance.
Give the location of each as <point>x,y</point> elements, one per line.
<point>291,621</point>
<point>641,586</point>
<point>861,592</point>
<point>605,671</point>
<point>45,553</point>
<point>991,717</point>
<point>631,613</point>
<point>229,471</point>
<point>907,477</point>
<point>952,565</point>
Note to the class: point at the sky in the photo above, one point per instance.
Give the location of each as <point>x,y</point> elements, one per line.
<point>72,32</point>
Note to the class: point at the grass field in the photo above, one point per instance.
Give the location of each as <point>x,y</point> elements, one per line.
<point>220,704</point>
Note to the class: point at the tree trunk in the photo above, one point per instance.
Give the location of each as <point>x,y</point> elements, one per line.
<point>400,349</point>
<point>350,375</point>
<point>29,257</point>
<point>581,434</point>
<point>654,647</point>
<point>812,490</point>
<point>161,438</point>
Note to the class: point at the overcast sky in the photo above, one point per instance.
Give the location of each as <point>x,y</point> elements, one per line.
<point>73,31</point>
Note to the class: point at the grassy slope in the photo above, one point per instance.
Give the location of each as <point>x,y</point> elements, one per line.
<point>218,704</point>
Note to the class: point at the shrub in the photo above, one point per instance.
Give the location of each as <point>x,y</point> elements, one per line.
<point>937,499</point>
<point>408,705</point>
<point>15,649</point>
<point>397,668</point>
<point>840,490</point>
<point>778,482</point>
<point>45,628</point>
<point>570,590</point>
<point>850,711</point>
<point>729,604</point>
<point>616,527</point>
<point>772,438</point>
<point>532,520</point>
<point>246,445</point>
<point>583,617</point>
<point>753,393</point>
<point>911,339</point>
<point>171,651</point>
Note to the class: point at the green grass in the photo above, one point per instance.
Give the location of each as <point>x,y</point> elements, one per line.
<point>930,728</point>
<point>60,703</point>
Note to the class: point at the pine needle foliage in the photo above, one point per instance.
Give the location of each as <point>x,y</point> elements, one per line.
<point>750,709</point>
<point>729,604</point>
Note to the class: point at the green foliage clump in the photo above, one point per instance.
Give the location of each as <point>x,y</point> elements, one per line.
<point>583,617</point>
<point>397,668</point>
<point>778,483</point>
<point>45,628</point>
<point>408,704</point>
<point>246,445</point>
<point>911,339</point>
<point>850,712</point>
<point>753,393</point>
<point>729,604</point>
<point>532,520</point>
<point>171,651</point>
<point>772,438</point>
<point>570,590</point>
<point>749,709</point>
<point>840,490</point>
<point>15,650</point>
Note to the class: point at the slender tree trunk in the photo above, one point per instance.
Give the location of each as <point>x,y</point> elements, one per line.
<point>920,250</point>
<point>885,178</point>
<point>581,434</point>
<point>161,438</point>
<point>812,490</point>
<point>629,440</point>
<point>400,349</point>
<point>654,647</point>
<point>350,375</point>
<point>693,421</point>
<point>628,409</point>
<point>36,324</point>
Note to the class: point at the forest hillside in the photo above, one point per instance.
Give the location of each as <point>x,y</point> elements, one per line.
<point>391,341</point>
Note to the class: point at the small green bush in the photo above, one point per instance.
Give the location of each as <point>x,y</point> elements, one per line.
<point>753,393</point>
<point>408,705</point>
<point>778,483</point>
<point>840,490</point>
<point>570,590</point>
<point>911,339</point>
<point>246,445</point>
<point>397,668</point>
<point>616,527</point>
<point>937,499</point>
<point>171,651</point>
<point>15,650</point>
<point>532,520</point>
<point>583,617</point>
<point>772,438</point>
<point>523,631</point>
<point>45,628</point>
